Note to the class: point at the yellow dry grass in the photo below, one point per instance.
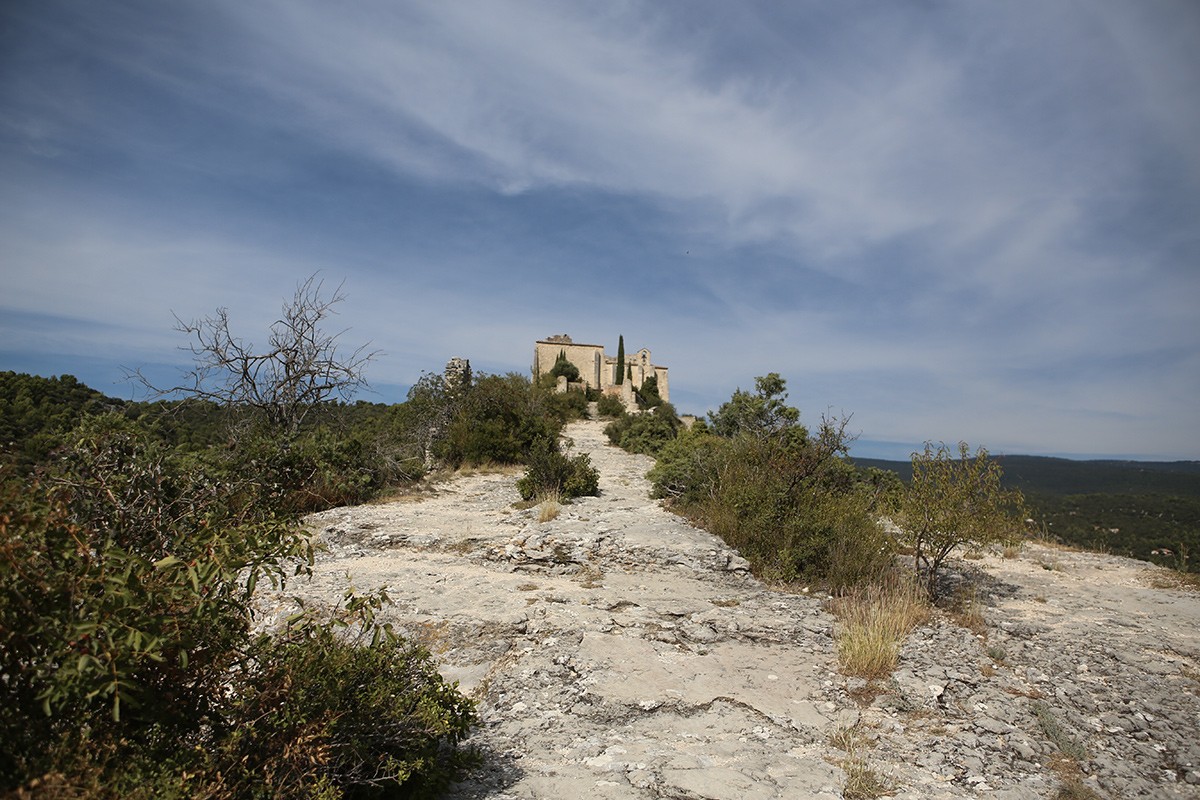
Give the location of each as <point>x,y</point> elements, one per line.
<point>873,621</point>
<point>549,507</point>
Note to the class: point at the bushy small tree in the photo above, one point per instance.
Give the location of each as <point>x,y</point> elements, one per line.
<point>552,472</point>
<point>497,421</point>
<point>952,502</point>
<point>645,433</point>
<point>763,413</point>
<point>564,406</point>
<point>609,405</point>
<point>647,395</point>
<point>786,499</point>
<point>564,368</point>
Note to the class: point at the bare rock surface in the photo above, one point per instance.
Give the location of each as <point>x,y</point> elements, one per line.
<point>619,652</point>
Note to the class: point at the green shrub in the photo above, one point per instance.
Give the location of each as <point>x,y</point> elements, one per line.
<point>790,525</point>
<point>787,500</point>
<point>564,368</point>
<point>647,395</point>
<point>126,575</point>
<point>552,472</point>
<point>497,421</point>
<point>645,433</point>
<point>609,405</point>
<point>688,466</point>
<point>316,710</point>
<point>565,406</point>
<point>764,413</point>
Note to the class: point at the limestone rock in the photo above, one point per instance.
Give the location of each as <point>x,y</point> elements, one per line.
<point>618,652</point>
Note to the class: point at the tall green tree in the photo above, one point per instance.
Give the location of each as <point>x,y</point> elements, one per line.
<point>620,360</point>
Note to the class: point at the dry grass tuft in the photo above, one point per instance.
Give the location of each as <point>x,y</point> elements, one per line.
<point>1071,785</point>
<point>549,507</point>
<point>589,576</point>
<point>487,468</point>
<point>1171,579</point>
<point>874,621</point>
<point>434,636</point>
<point>862,782</point>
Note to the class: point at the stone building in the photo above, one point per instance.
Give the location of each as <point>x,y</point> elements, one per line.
<point>597,370</point>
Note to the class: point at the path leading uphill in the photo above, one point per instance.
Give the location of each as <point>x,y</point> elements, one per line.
<point>618,652</point>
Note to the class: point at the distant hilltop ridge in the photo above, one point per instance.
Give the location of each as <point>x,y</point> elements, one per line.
<point>598,370</point>
<point>1071,476</point>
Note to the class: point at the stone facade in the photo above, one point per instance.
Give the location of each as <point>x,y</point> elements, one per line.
<point>597,370</point>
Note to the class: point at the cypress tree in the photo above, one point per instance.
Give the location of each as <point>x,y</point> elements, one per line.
<point>620,360</point>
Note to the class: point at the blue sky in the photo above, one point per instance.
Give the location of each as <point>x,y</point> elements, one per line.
<point>956,221</point>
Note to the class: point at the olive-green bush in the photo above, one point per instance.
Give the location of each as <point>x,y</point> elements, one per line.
<point>497,419</point>
<point>953,501</point>
<point>564,368</point>
<point>551,472</point>
<point>645,433</point>
<point>609,405</point>
<point>565,406</point>
<point>126,574</point>
<point>786,499</point>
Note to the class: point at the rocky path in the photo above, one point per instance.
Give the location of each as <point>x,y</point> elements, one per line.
<point>618,652</point>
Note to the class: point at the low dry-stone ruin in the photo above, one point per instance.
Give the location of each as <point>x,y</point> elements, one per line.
<point>618,652</point>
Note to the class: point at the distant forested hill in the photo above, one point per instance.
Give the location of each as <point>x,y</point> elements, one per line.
<point>35,411</point>
<point>1044,475</point>
<point>1129,508</point>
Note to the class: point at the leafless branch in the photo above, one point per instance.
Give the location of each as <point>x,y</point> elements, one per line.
<point>300,368</point>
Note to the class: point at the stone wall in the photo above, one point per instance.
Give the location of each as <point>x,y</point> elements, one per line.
<point>586,357</point>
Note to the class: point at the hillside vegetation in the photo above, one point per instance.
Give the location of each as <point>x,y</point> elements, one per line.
<point>1130,508</point>
<point>133,536</point>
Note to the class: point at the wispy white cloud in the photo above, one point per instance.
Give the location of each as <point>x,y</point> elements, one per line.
<point>955,202</point>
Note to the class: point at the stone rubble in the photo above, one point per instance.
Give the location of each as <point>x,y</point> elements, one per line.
<point>619,652</point>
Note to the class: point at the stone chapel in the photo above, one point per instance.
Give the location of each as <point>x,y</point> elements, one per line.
<point>597,370</point>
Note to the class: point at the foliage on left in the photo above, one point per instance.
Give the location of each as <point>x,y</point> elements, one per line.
<point>130,664</point>
<point>129,558</point>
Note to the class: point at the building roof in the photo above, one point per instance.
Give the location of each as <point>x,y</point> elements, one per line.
<point>561,343</point>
